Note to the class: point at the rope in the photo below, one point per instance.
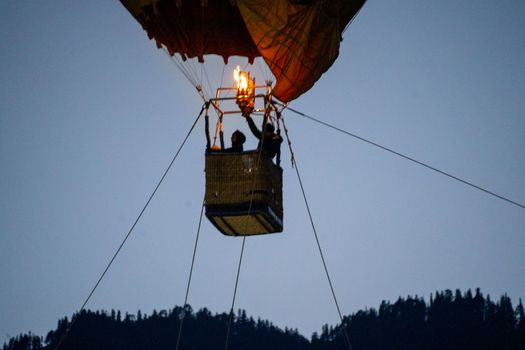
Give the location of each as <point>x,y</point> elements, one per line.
<point>189,279</point>
<point>292,159</point>
<point>230,318</point>
<point>189,72</point>
<point>465,182</point>
<point>129,232</point>
<point>343,323</point>
<point>222,75</point>
<point>263,68</point>
<point>203,68</point>
<point>352,20</point>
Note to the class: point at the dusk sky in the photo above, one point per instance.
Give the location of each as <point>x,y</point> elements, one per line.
<point>91,113</point>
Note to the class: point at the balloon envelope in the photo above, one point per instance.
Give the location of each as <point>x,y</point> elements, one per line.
<point>299,40</point>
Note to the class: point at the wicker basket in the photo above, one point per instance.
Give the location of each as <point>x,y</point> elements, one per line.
<point>243,193</point>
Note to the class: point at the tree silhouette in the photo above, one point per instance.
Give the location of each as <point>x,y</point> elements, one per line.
<point>450,320</point>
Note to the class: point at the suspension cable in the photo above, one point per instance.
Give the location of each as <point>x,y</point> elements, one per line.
<point>465,182</point>
<point>75,318</point>
<point>186,72</point>
<point>343,323</point>
<point>230,318</point>
<point>183,316</point>
<point>189,72</point>
<point>292,156</point>
<point>203,68</point>
<point>222,75</point>
<point>352,20</point>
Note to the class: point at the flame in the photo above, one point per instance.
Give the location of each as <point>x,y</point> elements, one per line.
<point>242,79</point>
<point>245,91</point>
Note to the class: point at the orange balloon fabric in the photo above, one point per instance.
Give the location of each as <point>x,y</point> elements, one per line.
<point>299,40</point>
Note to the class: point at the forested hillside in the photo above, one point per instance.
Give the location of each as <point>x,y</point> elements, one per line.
<point>447,321</point>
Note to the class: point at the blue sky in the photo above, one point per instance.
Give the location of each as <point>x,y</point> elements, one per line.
<point>91,114</point>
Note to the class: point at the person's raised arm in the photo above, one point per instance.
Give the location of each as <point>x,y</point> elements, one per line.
<point>253,128</point>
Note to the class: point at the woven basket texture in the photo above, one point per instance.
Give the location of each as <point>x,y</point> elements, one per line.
<point>238,178</point>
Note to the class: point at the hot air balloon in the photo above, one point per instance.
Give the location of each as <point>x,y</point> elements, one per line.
<point>298,41</point>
